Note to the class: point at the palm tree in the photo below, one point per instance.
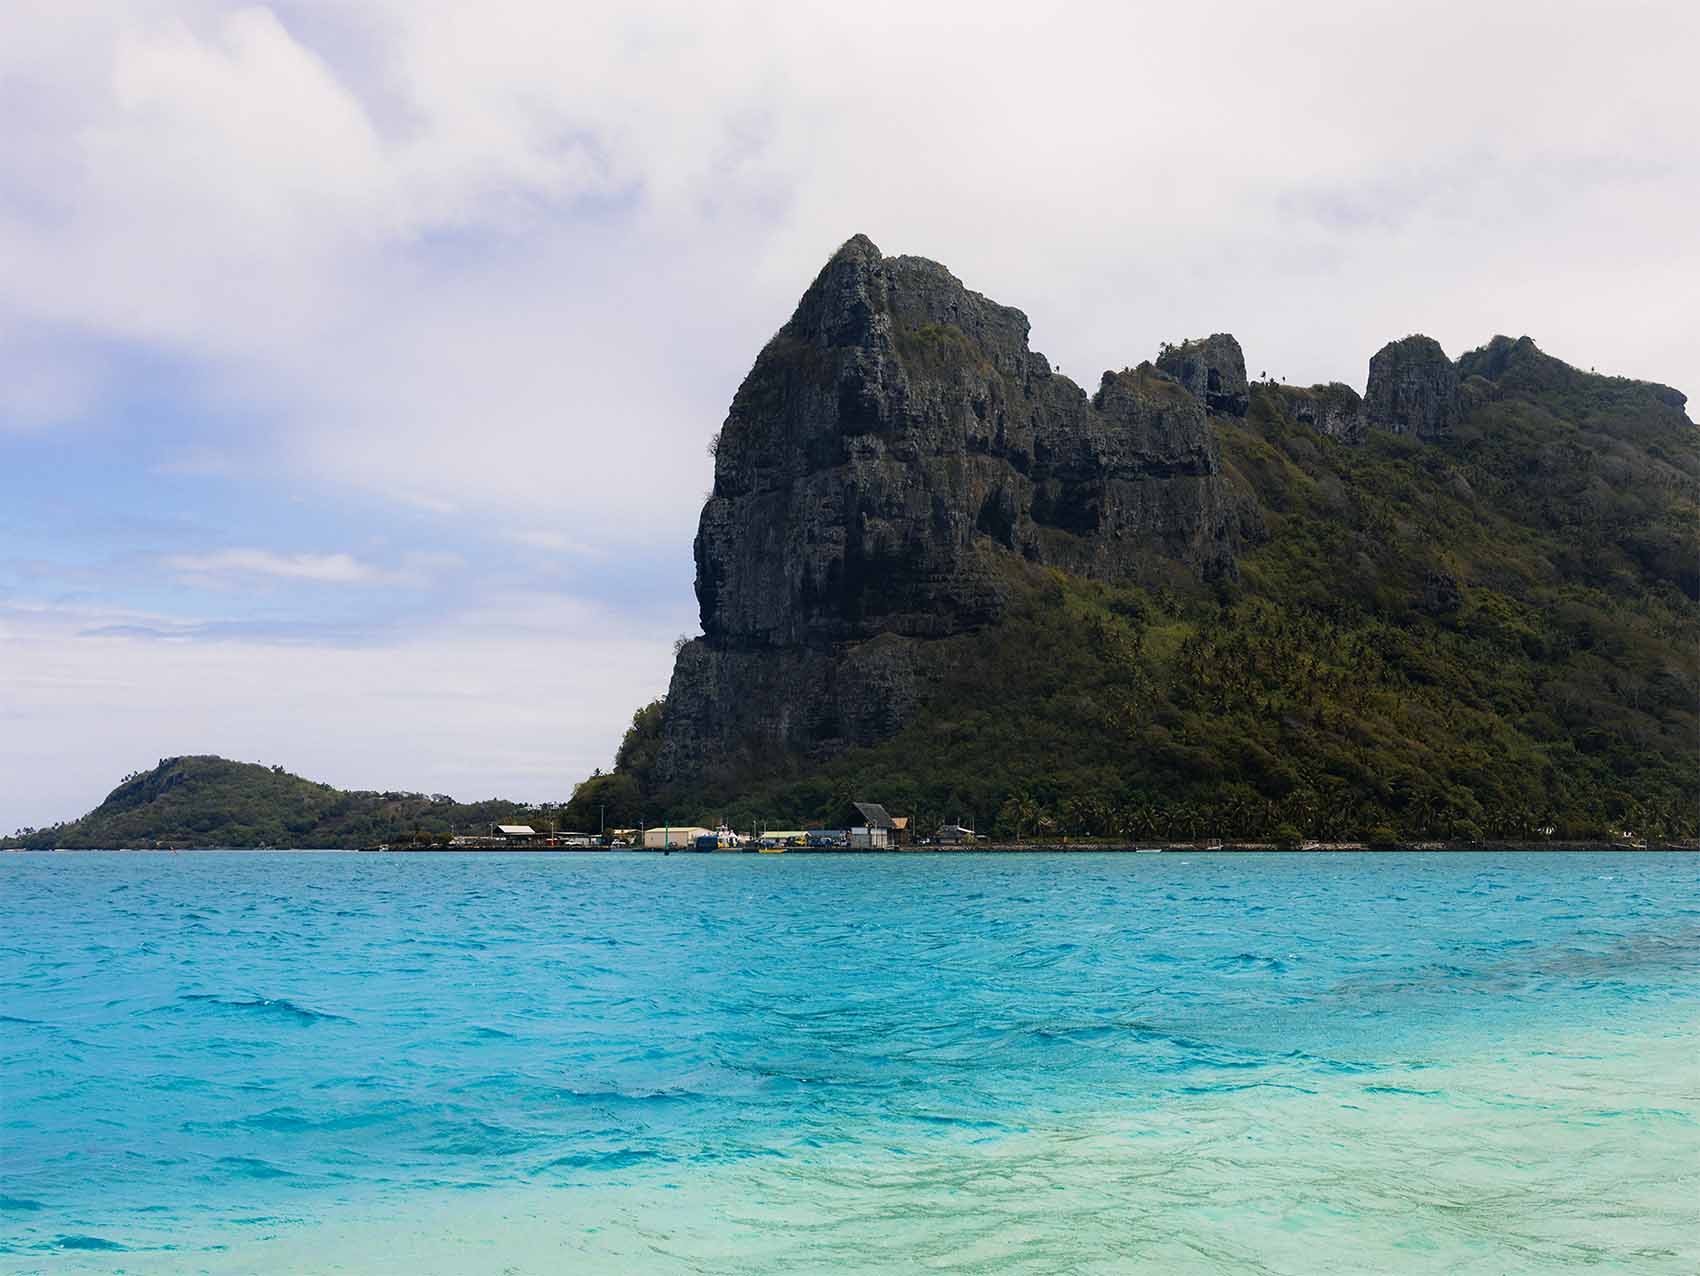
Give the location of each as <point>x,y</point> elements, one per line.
<point>1031,812</point>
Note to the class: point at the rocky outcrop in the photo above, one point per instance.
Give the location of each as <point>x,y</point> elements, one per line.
<point>897,438</point>
<point>892,466</point>
<point>1413,389</point>
<point>899,465</point>
<point>1333,409</point>
<point>1212,370</point>
<point>902,487</point>
<point>752,708</point>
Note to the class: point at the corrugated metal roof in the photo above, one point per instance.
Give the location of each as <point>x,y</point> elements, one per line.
<point>516,830</point>
<point>874,814</point>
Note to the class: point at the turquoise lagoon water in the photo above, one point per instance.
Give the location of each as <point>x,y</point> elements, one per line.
<point>1186,1063</point>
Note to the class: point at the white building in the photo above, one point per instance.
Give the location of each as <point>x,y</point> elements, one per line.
<point>677,837</point>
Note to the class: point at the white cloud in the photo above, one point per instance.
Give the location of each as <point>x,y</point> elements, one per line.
<point>553,541</point>
<point>417,569</point>
<point>334,569</point>
<point>520,699</point>
<point>517,254</point>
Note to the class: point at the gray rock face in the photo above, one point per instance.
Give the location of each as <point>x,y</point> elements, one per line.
<point>1413,389</point>
<point>897,438</point>
<point>1212,370</point>
<point>753,706</point>
<point>892,459</point>
<point>1333,409</point>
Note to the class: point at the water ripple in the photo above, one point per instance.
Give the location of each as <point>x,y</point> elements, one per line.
<point>1082,1063</point>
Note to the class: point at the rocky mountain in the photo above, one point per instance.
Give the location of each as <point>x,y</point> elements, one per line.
<point>936,571</point>
<point>1212,370</point>
<point>896,449</point>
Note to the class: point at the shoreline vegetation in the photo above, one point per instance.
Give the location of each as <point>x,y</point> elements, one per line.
<point>212,803</point>
<point>1075,846</point>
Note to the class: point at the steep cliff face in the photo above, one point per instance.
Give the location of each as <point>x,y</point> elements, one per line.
<point>1414,389</point>
<point>899,469</point>
<point>893,459</point>
<point>1212,370</point>
<point>897,436</point>
<point>1334,409</point>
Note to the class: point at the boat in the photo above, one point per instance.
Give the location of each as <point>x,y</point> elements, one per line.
<point>722,839</point>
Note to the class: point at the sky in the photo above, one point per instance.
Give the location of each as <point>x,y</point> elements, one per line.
<point>358,361</point>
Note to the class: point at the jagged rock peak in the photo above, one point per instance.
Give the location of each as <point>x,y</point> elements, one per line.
<point>845,296</point>
<point>1414,389</point>
<point>860,290</point>
<point>893,468</point>
<point>1213,371</point>
<point>897,435</point>
<point>1334,409</point>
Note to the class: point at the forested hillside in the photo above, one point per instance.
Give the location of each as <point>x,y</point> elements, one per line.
<point>212,801</point>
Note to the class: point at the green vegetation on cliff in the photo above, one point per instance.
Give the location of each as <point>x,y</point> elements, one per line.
<point>212,801</point>
<point>1487,634</point>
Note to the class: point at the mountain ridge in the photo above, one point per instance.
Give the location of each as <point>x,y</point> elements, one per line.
<point>900,479</point>
<point>934,572</point>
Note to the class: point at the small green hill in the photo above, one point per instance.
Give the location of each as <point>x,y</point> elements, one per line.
<point>212,801</point>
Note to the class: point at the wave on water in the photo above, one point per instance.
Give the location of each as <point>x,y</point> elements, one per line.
<point>77,1241</point>
<point>1251,963</point>
<point>1513,967</point>
<point>253,1167</point>
<point>1080,1063</point>
<point>280,1009</point>
<point>615,1159</point>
